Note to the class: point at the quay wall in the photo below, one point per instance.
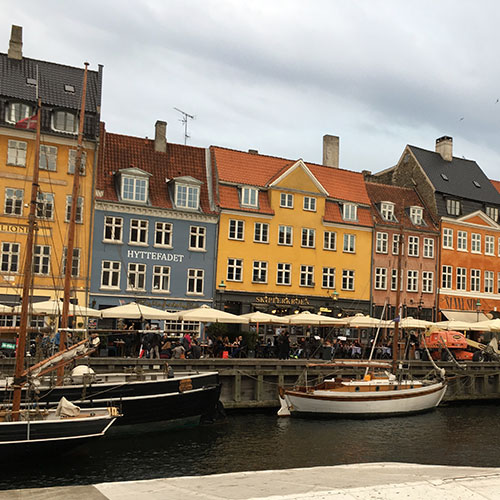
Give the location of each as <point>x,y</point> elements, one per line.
<point>253,382</point>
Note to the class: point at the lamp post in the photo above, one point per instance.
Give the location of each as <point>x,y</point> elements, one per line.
<point>478,308</point>
<point>222,288</point>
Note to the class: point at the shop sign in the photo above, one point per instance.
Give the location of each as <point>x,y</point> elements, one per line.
<point>147,255</point>
<point>460,303</point>
<point>282,300</point>
<point>22,229</point>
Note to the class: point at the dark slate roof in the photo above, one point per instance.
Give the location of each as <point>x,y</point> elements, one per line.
<point>52,77</point>
<point>461,174</point>
<point>119,152</point>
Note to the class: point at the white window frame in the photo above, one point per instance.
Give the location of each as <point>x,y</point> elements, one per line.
<point>330,240</point>
<point>9,258</point>
<point>48,158</point>
<point>489,278</point>
<point>492,213</point>
<point>259,271</point>
<point>195,281</point>
<point>308,238</point>
<point>461,278</point>
<point>161,279</point>
<point>475,243</point>
<point>286,200</point>
<point>381,242</point>
<point>17,111</point>
<point>69,121</point>
<point>413,246</point>
<point>134,189</point>
<point>328,278</point>
<point>111,270</point>
<point>285,235</point>
<point>348,277</point>
<point>349,243</point>
<point>236,229</point>
<point>234,269</point>
<point>136,276</point>
<point>197,238</point>
<point>138,232</point>
<point>14,202</point>
<point>75,262</point>
<point>79,209</point>
<point>453,207</point>
<point>489,245</point>
<point>45,206</point>
<point>164,234</point>
<point>417,215</point>
<point>387,211</point>
<point>307,276</point>
<point>462,237</point>
<point>115,226</point>
<point>41,260</point>
<point>448,238</point>
<point>72,162</point>
<point>380,278</point>
<point>394,281</point>
<point>475,280</point>
<point>284,274</point>
<point>16,153</point>
<point>446,277</point>
<point>428,248</point>
<point>412,280</point>
<point>427,281</point>
<point>261,232</point>
<point>395,244</point>
<point>249,197</point>
<point>350,211</point>
<point>309,204</point>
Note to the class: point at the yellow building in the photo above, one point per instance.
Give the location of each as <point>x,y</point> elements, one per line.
<point>292,236</point>
<point>59,88</point>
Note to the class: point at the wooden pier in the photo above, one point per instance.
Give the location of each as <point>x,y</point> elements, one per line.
<point>253,383</point>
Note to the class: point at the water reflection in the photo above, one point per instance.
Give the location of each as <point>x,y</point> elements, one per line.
<point>460,435</point>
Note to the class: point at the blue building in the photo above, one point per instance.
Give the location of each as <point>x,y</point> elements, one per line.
<point>155,224</point>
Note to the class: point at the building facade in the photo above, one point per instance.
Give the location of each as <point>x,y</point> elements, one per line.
<point>59,88</point>
<point>155,224</point>
<point>400,215</point>
<point>292,235</point>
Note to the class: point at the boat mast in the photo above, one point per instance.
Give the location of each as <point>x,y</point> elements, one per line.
<point>71,229</point>
<point>395,340</point>
<point>27,274</point>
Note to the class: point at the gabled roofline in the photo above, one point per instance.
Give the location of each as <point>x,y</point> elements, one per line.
<point>299,164</point>
<point>477,213</point>
<point>134,171</point>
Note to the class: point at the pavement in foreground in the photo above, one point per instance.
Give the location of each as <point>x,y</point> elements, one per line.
<point>374,481</point>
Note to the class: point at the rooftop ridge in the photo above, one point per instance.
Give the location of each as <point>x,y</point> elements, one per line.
<point>53,63</point>
<point>454,157</point>
<point>137,138</point>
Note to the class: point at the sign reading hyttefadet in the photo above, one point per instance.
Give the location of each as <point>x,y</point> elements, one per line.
<point>147,255</point>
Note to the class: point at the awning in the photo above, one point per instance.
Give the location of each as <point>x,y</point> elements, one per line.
<point>469,316</point>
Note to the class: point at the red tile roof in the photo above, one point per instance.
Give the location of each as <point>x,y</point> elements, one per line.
<point>496,185</point>
<point>403,198</point>
<point>260,170</point>
<point>121,151</point>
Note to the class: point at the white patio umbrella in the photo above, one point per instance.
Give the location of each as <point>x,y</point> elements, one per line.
<point>309,318</point>
<point>206,314</point>
<point>361,321</point>
<point>261,317</point>
<point>54,307</point>
<point>133,310</point>
<point>491,325</point>
<point>411,322</point>
<point>5,309</point>
<point>454,325</point>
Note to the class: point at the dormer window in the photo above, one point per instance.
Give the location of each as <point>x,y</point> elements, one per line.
<point>453,207</point>
<point>416,215</point>
<point>249,197</point>
<point>350,211</point>
<point>17,111</point>
<point>134,188</point>
<point>387,211</point>
<point>492,213</point>
<point>64,121</point>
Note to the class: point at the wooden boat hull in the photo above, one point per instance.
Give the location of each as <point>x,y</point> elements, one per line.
<point>331,403</point>
<point>147,398</point>
<point>50,435</point>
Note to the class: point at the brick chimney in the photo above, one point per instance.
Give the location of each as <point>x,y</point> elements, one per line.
<point>16,43</point>
<point>331,151</point>
<point>444,146</point>
<point>161,136</point>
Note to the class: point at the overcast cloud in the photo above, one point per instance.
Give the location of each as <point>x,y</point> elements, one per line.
<point>278,75</point>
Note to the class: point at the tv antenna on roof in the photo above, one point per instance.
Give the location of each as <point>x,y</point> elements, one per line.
<point>184,119</point>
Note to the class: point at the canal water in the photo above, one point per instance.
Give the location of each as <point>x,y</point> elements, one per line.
<point>450,435</point>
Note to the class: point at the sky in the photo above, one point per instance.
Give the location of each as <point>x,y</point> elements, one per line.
<point>277,75</point>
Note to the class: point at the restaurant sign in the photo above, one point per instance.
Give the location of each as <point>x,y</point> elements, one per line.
<point>22,229</point>
<point>147,255</point>
<point>459,303</point>
<point>282,300</point>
